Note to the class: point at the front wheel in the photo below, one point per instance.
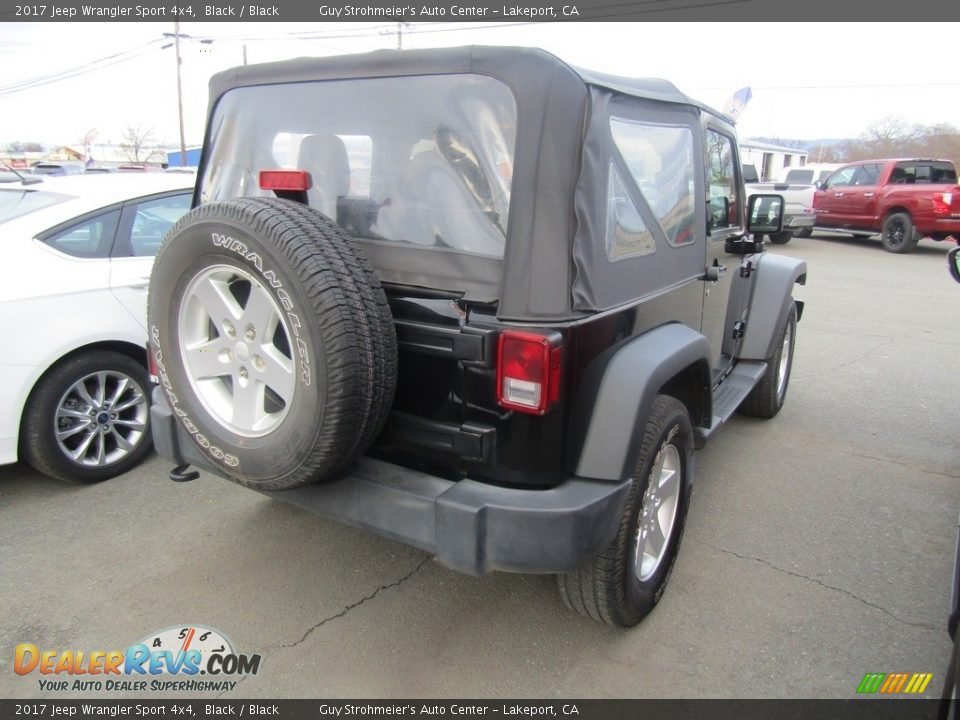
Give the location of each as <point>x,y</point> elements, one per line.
<point>88,418</point>
<point>622,585</point>
<point>766,399</point>
<point>898,234</point>
<point>804,232</point>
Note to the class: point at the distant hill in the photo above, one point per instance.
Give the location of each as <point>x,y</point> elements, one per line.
<point>808,145</point>
<point>813,148</point>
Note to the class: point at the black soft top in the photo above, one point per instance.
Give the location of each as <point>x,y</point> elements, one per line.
<point>545,273</point>
<point>520,68</point>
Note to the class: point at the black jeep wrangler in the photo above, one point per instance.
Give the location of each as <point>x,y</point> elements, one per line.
<point>475,300</point>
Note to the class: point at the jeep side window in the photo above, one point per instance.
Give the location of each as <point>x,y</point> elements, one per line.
<point>660,161</point>
<point>842,178</point>
<point>723,211</point>
<point>627,233</point>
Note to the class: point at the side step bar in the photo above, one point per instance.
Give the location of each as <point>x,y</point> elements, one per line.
<point>728,396</point>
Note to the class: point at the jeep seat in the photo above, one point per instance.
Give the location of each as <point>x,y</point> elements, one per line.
<point>325,158</point>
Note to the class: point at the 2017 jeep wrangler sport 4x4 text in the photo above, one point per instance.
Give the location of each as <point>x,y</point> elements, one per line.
<point>474,300</point>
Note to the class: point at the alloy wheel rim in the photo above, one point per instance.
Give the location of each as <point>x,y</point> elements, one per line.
<point>235,345</point>
<point>658,513</point>
<point>101,418</point>
<point>784,365</point>
<point>896,233</point>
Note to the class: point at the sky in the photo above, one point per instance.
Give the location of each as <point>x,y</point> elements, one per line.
<point>808,81</point>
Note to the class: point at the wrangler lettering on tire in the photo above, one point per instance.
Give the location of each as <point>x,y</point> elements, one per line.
<point>273,340</point>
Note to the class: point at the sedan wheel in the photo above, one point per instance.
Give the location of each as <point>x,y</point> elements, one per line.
<point>101,418</point>
<point>88,418</point>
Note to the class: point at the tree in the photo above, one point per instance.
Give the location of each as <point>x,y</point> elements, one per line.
<point>889,137</point>
<point>21,147</point>
<point>893,137</point>
<point>139,144</point>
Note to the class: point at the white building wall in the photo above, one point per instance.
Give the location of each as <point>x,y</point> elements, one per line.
<point>770,162</point>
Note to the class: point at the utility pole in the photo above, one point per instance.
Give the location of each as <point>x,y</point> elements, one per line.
<point>183,142</point>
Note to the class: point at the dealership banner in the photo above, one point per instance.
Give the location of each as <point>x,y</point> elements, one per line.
<point>469,709</point>
<point>485,11</point>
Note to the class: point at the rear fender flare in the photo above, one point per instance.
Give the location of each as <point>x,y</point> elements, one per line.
<point>773,281</point>
<point>618,390</point>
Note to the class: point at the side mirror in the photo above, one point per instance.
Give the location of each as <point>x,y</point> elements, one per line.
<point>821,184</point>
<point>765,214</point>
<point>953,263</point>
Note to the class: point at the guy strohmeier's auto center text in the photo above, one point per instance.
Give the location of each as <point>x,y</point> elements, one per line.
<point>336,12</point>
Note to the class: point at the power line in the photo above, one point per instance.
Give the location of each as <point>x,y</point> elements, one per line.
<point>89,67</point>
<point>373,31</point>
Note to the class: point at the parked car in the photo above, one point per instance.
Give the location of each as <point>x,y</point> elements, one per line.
<point>811,174</point>
<point>798,215</point>
<point>57,168</point>
<point>903,200</point>
<point>78,253</point>
<point>501,341</point>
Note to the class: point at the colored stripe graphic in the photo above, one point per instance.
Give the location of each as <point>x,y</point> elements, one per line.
<point>918,683</point>
<point>871,682</point>
<point>895,683</point>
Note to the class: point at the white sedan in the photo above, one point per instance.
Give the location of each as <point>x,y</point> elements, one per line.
<point>78,253</point>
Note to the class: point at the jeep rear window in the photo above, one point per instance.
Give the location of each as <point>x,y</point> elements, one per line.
<point>423,161</point>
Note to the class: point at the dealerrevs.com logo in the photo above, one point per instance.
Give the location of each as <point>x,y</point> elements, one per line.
<point>182,658</point>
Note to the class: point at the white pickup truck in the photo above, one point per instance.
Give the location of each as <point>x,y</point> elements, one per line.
<point>797,185</point>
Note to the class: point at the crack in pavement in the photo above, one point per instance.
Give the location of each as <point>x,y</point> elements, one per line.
<point>821,584</point>
<point>351,606</point>
<point>900,462</point>
<point>309,631</point>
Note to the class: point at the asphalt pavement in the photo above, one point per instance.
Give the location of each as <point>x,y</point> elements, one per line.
<point>819,545</point>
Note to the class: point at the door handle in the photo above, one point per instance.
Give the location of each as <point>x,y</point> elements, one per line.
<point>868,194</point>
<point>714,272</point>
<point>838,194</point>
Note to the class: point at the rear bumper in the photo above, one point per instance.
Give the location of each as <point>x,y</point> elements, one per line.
<point>940,226</point>
<point>469,526</point>
<point>798,222</point>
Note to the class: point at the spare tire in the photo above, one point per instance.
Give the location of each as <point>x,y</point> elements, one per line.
<point>274,342</point>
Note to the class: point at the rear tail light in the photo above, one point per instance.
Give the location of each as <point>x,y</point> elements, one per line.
<point>287,180</point>
<point>942,202</point>
<point>528,371</point>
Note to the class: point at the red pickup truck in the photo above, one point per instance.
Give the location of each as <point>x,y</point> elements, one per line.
<point>903,200</point>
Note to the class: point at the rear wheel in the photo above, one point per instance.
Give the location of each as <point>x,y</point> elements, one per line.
<point>274,341</point>
<point>623,584</point>
<point>781,238</point>
<point>88,418</point>
<point>898,234</point>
